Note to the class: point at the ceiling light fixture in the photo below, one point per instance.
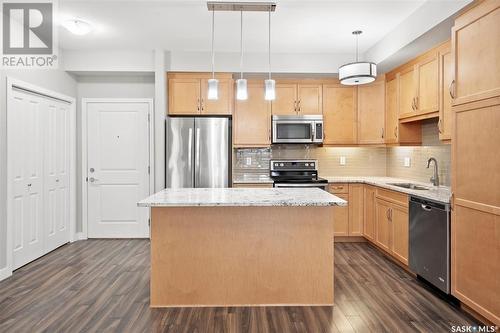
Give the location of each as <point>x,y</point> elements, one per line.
<point>241,83</point>
<point>359,72</point>
<point>213,83</point>
<point>270,85</point>
<point>77,26</point>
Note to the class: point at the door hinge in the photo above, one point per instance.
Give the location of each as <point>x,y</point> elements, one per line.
<point>149,117</point>
<point>149,170</point>
<point>149,222</point>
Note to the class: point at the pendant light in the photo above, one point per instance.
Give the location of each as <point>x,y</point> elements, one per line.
<point>270,85</point>
<point>241,83</point>
<point>213,83</point>
<point>359,72</point>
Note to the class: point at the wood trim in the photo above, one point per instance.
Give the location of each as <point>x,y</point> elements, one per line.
<point>198,75</point>
<point>350,239</point>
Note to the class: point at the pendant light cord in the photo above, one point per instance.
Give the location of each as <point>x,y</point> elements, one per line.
<point>357,38</point>
<point>213,33</point>
<point>269,41</point>
<point>241,44</point>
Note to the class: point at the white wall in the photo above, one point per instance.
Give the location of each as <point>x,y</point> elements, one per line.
<point>106,85</point>
<point>55,80</point>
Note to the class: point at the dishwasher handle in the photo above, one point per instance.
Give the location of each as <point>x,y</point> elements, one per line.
<point>426,207</point>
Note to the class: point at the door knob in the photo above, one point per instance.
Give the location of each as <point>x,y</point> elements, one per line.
<point>92,179</point>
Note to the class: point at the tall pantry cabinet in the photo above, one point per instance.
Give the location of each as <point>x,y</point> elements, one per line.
<point>475,229</point>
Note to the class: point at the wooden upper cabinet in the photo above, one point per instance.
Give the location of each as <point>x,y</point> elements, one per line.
<point>252,118</point>
<point>476,48</point>
<point>310,99</point>
<point>187,94</point>
<point>286,99</point>
<point>427,74</point>
<point>407,92</point>
<point>340,114</point>
<point>371,112</point>
<point>400,231</point>
<point>184,96</point>
<point>222,105</point>
<point>444,123</point>
<point>391,110</point>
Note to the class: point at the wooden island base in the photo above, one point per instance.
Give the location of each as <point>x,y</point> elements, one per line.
<point>241,256</point>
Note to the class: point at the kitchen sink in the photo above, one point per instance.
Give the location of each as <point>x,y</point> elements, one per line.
<point>409,186</point>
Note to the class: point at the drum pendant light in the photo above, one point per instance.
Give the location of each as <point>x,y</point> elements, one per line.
<point>213,83</point>
<point>359,72</point>
<point>241,83</point>
<point>270,85</point>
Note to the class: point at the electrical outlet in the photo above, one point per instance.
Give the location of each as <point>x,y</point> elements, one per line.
<point>342,160</point>
<point>407,162</point>
<point>248,161</point>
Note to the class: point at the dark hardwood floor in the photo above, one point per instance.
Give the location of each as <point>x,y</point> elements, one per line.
<point>103,286</point>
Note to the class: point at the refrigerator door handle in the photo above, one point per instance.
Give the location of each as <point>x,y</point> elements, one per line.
<point>197,153</point>
<point>190,149</point>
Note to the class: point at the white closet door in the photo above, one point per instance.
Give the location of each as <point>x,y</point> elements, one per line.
<point>25,162</point>
<point>56,174</point>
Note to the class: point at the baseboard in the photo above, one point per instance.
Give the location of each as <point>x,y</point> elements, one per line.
<point>79,236</point>
<point>349,239</point>
<point>5,273</point>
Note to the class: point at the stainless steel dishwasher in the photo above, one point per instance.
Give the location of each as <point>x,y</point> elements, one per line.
<point>430,241</point>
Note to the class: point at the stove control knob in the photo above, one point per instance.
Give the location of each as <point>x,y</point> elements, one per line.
<point>312,164</point>
<point>281,164</point>
<point>307,164</point>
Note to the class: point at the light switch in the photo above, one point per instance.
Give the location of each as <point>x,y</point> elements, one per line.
<point>407,162</point>
<point>342,160</point>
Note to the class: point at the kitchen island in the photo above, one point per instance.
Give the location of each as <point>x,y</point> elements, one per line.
<point>241,247</point>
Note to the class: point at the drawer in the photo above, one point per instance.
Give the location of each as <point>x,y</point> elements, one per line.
<point>392,196</point>
<point>338,188</point>
<point>253,185</point>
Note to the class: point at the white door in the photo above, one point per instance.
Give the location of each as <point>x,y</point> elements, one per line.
<point>117,169</point>
<point>25,161</point>
<point>38,162</point>
<point>56,172</point>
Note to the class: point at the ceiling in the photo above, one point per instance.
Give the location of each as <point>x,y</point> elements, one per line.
<point>297,26</point>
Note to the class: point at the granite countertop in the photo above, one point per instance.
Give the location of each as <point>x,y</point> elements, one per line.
<point>252,178</point>
<point>186,197</point>
<point>441,193</point>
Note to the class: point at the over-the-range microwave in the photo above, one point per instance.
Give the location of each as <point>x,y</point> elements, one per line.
<point>297,129</point>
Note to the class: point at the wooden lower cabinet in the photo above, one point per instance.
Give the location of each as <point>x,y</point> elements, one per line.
<point>341,218</point>
<point>253,185</point>
<point>392,224</point>
<point>369,213</point>
<point>356,205</point>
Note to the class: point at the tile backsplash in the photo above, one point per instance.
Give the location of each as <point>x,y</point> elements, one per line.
<point>359,161</point>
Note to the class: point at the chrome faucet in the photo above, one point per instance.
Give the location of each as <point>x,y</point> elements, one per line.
<point>435,177</point>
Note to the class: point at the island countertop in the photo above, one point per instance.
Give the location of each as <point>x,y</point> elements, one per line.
<point>206,197</point>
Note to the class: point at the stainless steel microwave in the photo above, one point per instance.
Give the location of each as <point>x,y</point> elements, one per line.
<point>297,129</point>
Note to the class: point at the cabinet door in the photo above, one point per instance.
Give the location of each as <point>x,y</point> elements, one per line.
<point>356,199</point>
<point>407,92</point>
<point>428,86</point>
<point>476,46</point>
<point>399,223</point>
<point>369,213</point>
<point>444,124</point>
<point>382,222</point>
<point>286,99</point>
<point>391,111</point>
<point>341,218</point>
<point>340,114</point>
<point>371,113</point>
<point>223,105</point>
<point>310,99</point>
<point>184,96</point>
<point>252,119</point>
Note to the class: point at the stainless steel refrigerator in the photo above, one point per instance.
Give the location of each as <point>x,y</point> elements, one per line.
<point>198,152</point>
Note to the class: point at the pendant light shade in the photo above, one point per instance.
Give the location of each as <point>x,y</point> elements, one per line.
<point>213,89</point>
<point>270,90</point>
<point>241,83</point>
<point>213,83</point>
<point>241,89</point>
<point>358,72</point>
